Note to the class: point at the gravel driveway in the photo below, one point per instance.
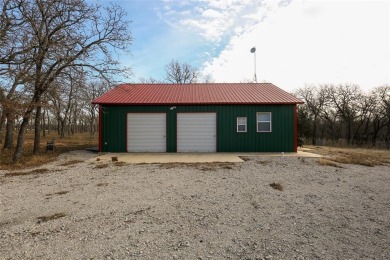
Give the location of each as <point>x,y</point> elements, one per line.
<point>92,210</point>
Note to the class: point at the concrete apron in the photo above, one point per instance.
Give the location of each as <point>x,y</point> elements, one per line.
<point>191,157</point>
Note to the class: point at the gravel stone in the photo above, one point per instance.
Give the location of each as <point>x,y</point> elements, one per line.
<point>153,211</point>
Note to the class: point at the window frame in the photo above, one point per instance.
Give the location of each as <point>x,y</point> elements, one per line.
<point>246,124</point>
<point>270,122</point>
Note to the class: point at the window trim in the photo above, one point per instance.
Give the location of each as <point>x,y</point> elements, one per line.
<point>246,124</point>
<point>270,122</point>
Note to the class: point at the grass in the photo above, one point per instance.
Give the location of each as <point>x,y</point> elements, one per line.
<point>277,186</point>
<point>327,162</point>
<point>77,141</point>
<point>50,217</point>
<point>358,156</point>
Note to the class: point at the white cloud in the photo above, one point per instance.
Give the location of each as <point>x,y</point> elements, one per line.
<point>309,42</point>
<point>213,19</point>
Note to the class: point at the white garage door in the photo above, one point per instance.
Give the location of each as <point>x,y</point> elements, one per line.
<point>196,132</point>
<point>146,132</point>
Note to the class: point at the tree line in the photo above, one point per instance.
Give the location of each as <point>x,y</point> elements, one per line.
<point>55,57</point>
<point>345,114</point>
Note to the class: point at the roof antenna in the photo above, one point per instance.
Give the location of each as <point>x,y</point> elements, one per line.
<point>253,50</point>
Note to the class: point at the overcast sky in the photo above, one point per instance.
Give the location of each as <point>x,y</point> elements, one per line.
<point>298,42</point>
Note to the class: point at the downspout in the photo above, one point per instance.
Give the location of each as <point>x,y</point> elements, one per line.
<point>100,128</point>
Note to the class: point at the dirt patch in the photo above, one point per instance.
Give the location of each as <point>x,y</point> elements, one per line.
<point>263,162</point>
<point>72,162</point>
<point>327,162</point>
<point>213,166</point>
<point>245,158</point>
<point>101,166</point>
<point>50,217</point>
<point>277,186</point>
<point>119,163</point>
<point>32,172</point>
<point>57,193</point>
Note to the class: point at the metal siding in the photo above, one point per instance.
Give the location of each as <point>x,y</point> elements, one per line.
<point>228,140</point>
<point>146,132</point>
<point>196,132</point>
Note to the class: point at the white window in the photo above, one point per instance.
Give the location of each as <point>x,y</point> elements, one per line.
<point>241,124</point>
<point>264,122</point>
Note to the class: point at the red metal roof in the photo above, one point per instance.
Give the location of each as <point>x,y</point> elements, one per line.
<point>199,93</point>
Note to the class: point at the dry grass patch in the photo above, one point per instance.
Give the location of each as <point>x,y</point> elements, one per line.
<point>327,162</point>
<point>50,217</point>
<point>277,186</point>
<point>119,163</point>
<point>78,141</point>
<point>212,166</point>
<point>72,162</point>
<point>101,166</point>
<point>36,171</point>
<point>263,162</point>
<point>358,156</point>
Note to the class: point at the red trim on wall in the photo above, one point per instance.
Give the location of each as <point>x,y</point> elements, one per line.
<point>100,128</point>
<point>295,129</point>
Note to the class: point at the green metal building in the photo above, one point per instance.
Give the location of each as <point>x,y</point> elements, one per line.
<point>217,117</point>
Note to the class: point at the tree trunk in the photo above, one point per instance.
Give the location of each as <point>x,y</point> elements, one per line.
<point>2,123</point>
<point>43,124</point>
<point>10,130</point>
<point>48,122</point>
<point>91,132</point>
<point>62,128</point>
<point>37,128</point>
<point>314,136</point>
<point>59,127</point>
<point>19,145</point>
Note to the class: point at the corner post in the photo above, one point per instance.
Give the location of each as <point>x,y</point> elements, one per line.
<point>100,128</point>
<point>295,128</point>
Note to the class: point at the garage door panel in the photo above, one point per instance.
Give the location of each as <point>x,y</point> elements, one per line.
<point>146,132</point>
<point>196,132</point>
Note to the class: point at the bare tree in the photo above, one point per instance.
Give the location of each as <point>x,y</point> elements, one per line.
<point>68,34</point>
<point>208,78</point>
<point>62,95</point>
<point>181,73</point>
<point>345,98</point>
<point>149,80</point>
<point>91,92</point>
<point>315,99</point>
<point>12,34</point>
<point>382,115</point>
